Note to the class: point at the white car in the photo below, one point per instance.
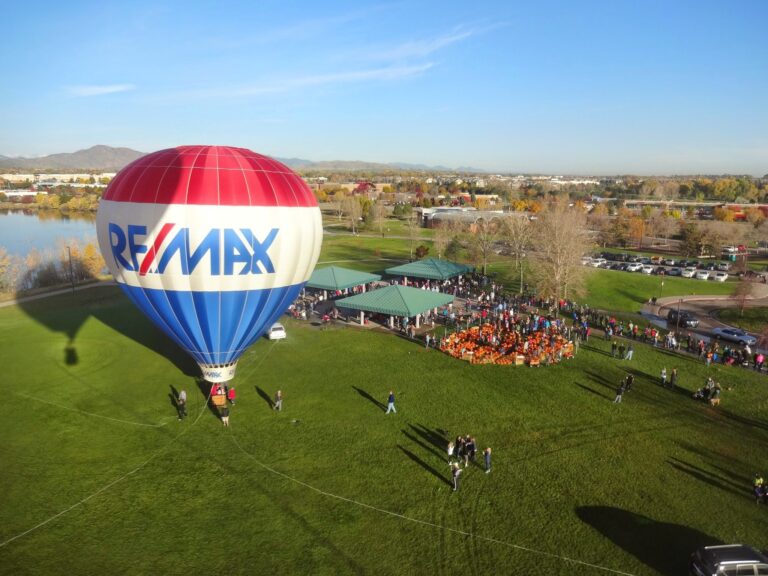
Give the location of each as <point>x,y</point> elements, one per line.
<point>702,275</point>
<point>689,272</point>
<point>647,269</point>
<point>598,262</point>
<point>634,267</point>
<point>276,332</point>
<point>720,277</point>
<point>586,261</point>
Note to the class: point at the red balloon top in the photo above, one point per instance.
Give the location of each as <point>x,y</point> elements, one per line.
<point>209,175</point>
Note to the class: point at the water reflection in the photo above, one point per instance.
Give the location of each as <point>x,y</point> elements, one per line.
<point>25,229</point>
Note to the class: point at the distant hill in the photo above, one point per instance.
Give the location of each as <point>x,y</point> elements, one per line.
<point>109,159</point>
<point>98,157</point>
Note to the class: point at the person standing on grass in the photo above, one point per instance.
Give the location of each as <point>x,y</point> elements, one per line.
<point>630,352</point>
<point>391,403</point>
<point>231,395</point>
<point>278,401</point>
<point>181,404</point>
<point>621,351</point>
<point>628,381</point>
<point>614,348</point>
<point>619,393</point>
<point>664,376</point>
<point>450,449</point>
<point>673,378</point>
<point>487,457</point>
<point>455,475</point>
<point>225,416</point>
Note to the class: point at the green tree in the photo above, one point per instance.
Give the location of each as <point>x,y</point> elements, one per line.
<point>692,239</point>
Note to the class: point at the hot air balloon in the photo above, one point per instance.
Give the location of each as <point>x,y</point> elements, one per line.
<point>212,243</point>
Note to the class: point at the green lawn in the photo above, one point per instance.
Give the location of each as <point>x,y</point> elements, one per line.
<point>626,291</point>
<point>332,485</point>
<point>753,319</point>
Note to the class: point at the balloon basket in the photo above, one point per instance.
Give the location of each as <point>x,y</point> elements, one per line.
<point>218,372</point>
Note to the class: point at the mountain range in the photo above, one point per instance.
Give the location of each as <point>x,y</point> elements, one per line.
<point>109,159</point>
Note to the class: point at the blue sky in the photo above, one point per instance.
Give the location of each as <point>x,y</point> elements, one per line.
<point>665,87</point>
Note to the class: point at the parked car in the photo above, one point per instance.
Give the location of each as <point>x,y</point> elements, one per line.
<point>586,261</point>
<point>689,272</point>
<point>647,269</point>
<point>710,266</point>
<point>684,319</point>
<point>674,271</point>
<point>670,262</point>
<point>656,260</point>
<point>727,560</point>
<point>634,267</point>
<point>723,267</point>
<point>702,275</point>
<point>598,262</point>
<point>276,332</point>
<point>720,277</point>
<point>735,335</point>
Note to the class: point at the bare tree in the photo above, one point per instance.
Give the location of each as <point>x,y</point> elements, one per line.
<point>665,226</point>
<point>353,211</point>
<point>379,212</point>
<point>743,293</point>
<point>444,232</point>
<point>414,232</point>
<point>560,240</point>
<point>517,231</point>
<point>483,235</point>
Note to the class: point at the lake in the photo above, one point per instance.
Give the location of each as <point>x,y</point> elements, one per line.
<point>23,230</point>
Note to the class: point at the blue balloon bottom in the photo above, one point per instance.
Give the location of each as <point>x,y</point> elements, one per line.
<point>213,327</point>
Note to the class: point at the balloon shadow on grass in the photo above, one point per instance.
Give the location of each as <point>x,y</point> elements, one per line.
<point>640,536</point>
<point>67,313</point>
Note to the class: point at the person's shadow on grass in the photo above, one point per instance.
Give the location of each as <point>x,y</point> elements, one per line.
<point>173,396</point>
<point>424,465</point>
<point>370,398</point>
<point>265,397</point>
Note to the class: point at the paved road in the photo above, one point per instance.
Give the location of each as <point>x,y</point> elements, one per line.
<point>704,307</point>
<point>15,301</point>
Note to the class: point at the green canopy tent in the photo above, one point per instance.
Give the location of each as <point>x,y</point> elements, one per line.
<point>338,278</point>
<point>397,300</point>
<point>431,269</point>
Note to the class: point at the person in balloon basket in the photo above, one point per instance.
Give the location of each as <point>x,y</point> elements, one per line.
<point>278,401</point>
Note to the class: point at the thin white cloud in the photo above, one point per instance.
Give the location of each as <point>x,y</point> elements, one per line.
<point>300,82</point>
<point>422,48</point>
<point>100,90</point>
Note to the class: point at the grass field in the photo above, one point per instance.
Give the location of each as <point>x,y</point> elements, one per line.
<point>96,465</point>
<point>753,319</point>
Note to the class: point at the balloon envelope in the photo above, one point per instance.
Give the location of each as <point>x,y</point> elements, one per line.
<point>212,243</point>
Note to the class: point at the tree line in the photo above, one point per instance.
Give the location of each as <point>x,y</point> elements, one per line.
<point>72,261</point>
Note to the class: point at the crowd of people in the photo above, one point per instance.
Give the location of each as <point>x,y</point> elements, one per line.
<point>464,450</point>
<point>709,393</point>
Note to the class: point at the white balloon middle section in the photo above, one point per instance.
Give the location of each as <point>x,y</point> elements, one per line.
<point>209,248</point>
